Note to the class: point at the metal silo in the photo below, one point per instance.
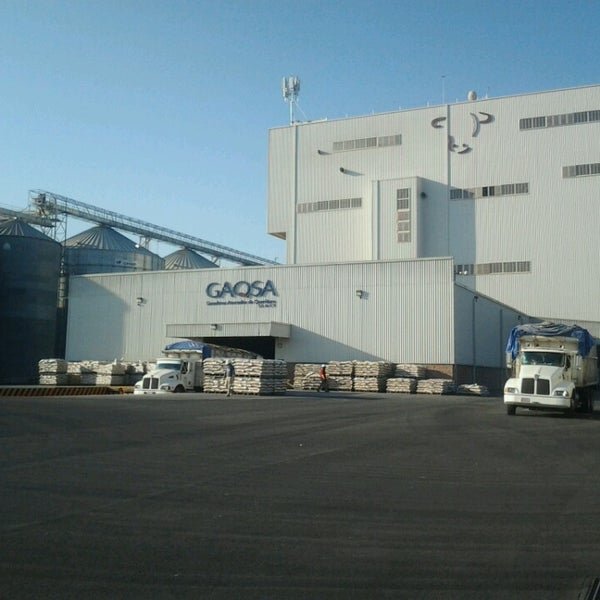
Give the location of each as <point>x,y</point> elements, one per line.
<point>187,259</point>
<point>29,273</point>
<point>103,250</point>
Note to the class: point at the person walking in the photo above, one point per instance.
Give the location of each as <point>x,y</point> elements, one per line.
<point>229,376</point>
<point>323,382</point>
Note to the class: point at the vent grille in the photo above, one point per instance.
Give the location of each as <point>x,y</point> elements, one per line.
<point>529,386</point>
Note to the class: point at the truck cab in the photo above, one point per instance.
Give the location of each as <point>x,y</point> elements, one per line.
<point>551,371</point>
<point>172,375</point>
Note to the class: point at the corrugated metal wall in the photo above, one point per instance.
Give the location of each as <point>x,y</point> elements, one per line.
<point>406,313</point>
<point>464,145</point>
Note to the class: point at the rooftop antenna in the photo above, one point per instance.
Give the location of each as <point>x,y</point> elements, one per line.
<point>290,88</point>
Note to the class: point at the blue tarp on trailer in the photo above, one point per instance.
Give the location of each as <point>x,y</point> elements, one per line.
<point>190,346</point>
<point>583,336</point>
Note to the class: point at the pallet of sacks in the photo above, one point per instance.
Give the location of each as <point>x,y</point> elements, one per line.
<point>74,373</point>
<point>306,376</point>
<point>52,371</point>
<point>473,389</point>
<point>371,376</point>
<point>373,368</point>
<point>252,376</point>
<point>340,368</point>
<point>341,383</point>
<point>214,384</point>
<point>409,370</point>
<point>404,385</point>
<point>369,384</point>
<point>339,375</point>
<point>436,386</point>
<point>103,373</point>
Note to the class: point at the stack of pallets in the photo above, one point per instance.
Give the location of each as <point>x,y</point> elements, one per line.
<point>371,376</point>
<point>405,378</point>
<point>436,386</point>
<point>111,374</point>
<point>406,385</point>
<point>306,376</point>
<point>339,375</point>
<point>53,371</point>
<point>252,376</point>
<point>415,371</point>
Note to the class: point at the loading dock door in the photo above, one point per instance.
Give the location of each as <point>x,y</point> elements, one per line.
<point>254,337</point>
<point>263,346</point>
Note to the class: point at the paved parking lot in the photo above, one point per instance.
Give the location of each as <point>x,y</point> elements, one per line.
<point>303,496</point>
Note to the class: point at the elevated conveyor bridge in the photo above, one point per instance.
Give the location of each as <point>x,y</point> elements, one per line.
<point>52,207</point>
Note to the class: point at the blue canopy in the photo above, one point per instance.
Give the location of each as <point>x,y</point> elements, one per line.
<point>187,345</point>
<point>546,329</point>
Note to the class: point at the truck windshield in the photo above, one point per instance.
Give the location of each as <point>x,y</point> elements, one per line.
<point>174,366</point>
<point>551,359</point>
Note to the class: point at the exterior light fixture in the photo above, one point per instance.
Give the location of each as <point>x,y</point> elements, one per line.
<point>140,300</point>
<point>214,326</point>
<point>360,293</point>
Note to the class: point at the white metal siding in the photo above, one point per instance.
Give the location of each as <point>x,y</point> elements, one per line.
<point>482,329</point>
<point>407,314</point>
<point>554,226</point>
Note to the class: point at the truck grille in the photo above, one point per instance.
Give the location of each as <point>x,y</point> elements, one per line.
<point>529,386</point>
<point>150,383</point>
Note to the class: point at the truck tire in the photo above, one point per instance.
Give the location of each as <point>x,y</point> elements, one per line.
<point>179,389</point>
<point>585,401</point>
<point>511,409</point>
<point>587,397</point>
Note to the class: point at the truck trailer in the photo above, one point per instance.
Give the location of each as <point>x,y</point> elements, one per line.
<point>553,367</point>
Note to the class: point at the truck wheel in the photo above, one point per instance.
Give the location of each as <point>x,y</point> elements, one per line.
<point>584,401</point>
<point>511,409</point>
<point>179,389</point>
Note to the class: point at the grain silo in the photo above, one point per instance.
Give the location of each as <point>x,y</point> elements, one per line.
<point>187,259</point>
<point>29,274</point>
<point>103,250</point>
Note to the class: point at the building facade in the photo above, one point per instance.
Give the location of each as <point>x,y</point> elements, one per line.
<point>420,236</point>
<point>507,187</point>
<point>408,311</point>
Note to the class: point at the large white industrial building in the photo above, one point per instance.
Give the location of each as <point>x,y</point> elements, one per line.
<point>417,236</point>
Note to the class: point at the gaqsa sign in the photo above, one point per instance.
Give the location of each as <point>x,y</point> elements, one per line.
<point>241,289</point>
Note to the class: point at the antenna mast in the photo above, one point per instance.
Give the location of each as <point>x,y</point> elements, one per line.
<point>290,88</point>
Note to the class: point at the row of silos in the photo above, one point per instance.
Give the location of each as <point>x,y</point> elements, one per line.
<point>104,250</point>
<point>33,294</point>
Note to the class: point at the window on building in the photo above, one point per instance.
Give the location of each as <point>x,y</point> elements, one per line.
<point>403,215</point>
<point>389,140</point>
<point>505,189</point>
<point>574,118</point>
<point>371,142</point>
<point>343,203</point>
<point>581,170</point>
<point>463,270</point>
<point>495,268</point>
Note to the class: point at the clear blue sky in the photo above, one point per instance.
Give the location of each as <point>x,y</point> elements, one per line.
<point>159,109</point>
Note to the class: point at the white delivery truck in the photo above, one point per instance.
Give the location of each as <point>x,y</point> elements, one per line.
<point>180,369</point>
<point>554,367</point>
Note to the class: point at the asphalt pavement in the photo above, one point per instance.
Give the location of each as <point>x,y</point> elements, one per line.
<point>303,496</point>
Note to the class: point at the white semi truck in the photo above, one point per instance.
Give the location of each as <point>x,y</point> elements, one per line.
<point>554,367</point>
<point>180,369</point>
